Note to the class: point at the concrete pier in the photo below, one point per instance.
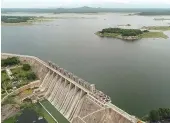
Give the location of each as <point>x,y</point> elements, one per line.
<point>76,99</point>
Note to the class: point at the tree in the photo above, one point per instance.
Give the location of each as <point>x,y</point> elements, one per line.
<point>154,116</point>
<point>31,76</point>
<point>164,113</point>
<point>145,30</point>
<point>9,61</point>
<point>26,67</point>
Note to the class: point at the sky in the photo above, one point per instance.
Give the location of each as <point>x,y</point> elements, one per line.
<point>90,3</point>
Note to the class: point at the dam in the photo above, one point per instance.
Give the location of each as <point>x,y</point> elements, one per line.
<point>76,99</point>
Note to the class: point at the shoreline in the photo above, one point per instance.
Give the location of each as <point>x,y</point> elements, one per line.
<point>117,36</point>
<point>16,24</point>
<point>133,38</point>
<point>29,22</point>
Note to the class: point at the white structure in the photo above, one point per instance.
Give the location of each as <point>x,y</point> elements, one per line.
<point>9,73</point>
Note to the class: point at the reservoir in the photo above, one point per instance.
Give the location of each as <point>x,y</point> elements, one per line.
<point>136,75</point>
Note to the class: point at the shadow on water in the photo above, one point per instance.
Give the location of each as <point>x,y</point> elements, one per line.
<point>29,116</point>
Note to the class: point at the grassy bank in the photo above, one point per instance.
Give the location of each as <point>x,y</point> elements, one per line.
<point>154,35</point>
<point>12,119</point>
<point>113,35</point>
<point>15,24</point>
<point>31,21</point>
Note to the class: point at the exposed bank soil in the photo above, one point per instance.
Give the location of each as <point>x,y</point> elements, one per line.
<point>9,110</point>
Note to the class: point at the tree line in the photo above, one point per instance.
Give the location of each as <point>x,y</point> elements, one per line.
<point>123,32</point>
<point>15,19</point>
<point>161,114</point>
<point>9,61</point>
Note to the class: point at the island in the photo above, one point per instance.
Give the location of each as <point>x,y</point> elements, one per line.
<point>23,20</point>
<point>16,19</point>
<point>130,34</point>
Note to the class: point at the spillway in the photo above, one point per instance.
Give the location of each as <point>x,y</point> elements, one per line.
<point>76,99</point>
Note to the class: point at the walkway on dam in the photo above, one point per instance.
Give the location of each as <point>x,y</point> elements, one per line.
<point>53,111</point>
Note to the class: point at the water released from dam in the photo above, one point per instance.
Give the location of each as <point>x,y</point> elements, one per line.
<point>136,75</point>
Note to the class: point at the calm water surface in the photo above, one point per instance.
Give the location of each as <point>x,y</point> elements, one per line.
<point>29,116</point>
<point>136,75</point>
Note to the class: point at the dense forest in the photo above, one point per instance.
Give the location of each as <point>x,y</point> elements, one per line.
<point>15,19</point>
<point>123,32</point>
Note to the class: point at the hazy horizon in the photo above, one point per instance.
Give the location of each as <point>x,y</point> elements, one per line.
<point>90,3</point>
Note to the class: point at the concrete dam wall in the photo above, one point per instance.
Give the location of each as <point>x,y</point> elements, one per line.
<point>77,100</point>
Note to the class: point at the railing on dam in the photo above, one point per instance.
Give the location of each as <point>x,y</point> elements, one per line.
<point>91,87</point>
<point>99,95</point>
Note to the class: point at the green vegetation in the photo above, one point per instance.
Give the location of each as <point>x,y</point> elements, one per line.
<point>129,34</point>
<point>23,20</point>
<point>12,119</point>
<point>5,83</point>
<point>122,32</point>
<point>163,28</point>
<point>20,75</point>
<point>23,76</point>
<point>27,104</point>
<point>154,35</point>
<point>114,35</point>
<point>3,94</point>
<point>10,100</point>
<point>26,67</point>
<point>9,61</point>
<point>15,19</point>
<point>4,77</point>
<point>162,114</point>
<point>31,76</point>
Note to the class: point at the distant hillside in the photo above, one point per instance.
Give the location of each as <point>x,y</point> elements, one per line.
<point>84,9</point>
<point>162,12</point>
